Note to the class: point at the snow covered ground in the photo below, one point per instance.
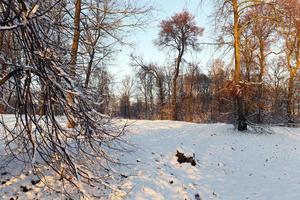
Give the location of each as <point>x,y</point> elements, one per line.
<point>230,165</point>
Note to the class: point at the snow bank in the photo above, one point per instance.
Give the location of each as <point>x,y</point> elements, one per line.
<point>230,165</point>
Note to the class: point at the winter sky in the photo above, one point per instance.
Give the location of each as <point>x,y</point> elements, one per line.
<point>144,39</point>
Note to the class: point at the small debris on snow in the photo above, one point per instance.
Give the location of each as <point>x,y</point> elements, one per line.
<point>197,197</point>
<point>24,188</point>
<point>123,176</point>
<point>4,173</point>
<point>34,182</point>
<point>181,158</point>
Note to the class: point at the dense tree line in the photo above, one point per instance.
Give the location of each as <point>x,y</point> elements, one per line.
<point>261,85</point>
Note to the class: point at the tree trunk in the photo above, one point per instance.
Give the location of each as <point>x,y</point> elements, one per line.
<point>89,68</point>
<point>174,97</point>
<point>248,79</point>
<point>161,98</point>
<point>293,74</point>
<point>151,102</point>
<point>146,102</point>
<point>290,95</point>
<point>42,107</point>
<point>260,79</point>
<point>3,72</point>
<point>241,122</point>
<point>190,99</point>
<point>174,92</point>
<point>74,50</point>
<point>128,107</point>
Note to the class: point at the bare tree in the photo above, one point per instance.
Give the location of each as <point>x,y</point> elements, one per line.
<point>277,78</point>
<point>158,74</point>
<point>290,30</point>
<point>105,26</point>
<point>179,33</point>
<point>74,50</point>
<point>232,17</point>
<point>45,141</point>
<point>126,93</point>
<point>190,80</point>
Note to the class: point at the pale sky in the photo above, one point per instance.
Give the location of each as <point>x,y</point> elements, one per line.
<point>144,40</point>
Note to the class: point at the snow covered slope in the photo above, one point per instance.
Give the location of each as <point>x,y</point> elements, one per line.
<point>230,165</point>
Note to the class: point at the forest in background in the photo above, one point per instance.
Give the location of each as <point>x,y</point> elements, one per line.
<point>262,36</point>
<point>268,53</point>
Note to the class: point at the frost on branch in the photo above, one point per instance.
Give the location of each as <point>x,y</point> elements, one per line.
<point>79,158</point>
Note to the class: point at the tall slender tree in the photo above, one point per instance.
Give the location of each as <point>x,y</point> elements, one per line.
<point>74,51</point>
<point>241,121</point>
<point>179,33</point>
